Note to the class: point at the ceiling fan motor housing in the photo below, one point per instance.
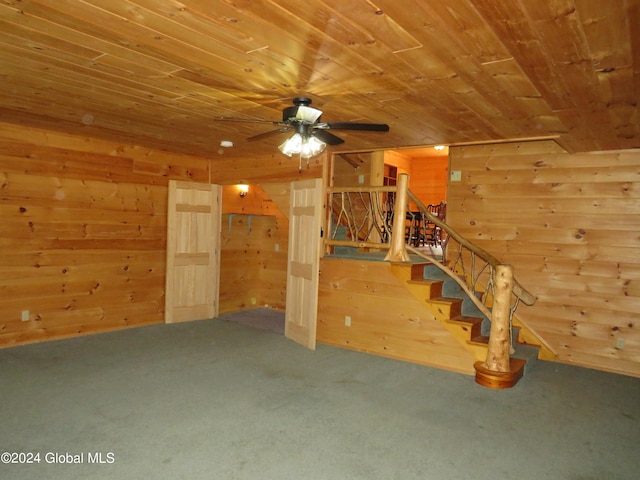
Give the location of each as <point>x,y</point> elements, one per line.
<point>290,113</point>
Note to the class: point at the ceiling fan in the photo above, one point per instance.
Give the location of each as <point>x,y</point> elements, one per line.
<point>311,134</point>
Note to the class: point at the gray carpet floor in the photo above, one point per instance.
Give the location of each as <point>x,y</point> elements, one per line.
<point>219,399</point>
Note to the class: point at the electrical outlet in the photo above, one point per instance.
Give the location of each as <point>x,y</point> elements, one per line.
<point>25,315</point>
<point>347,321</point>
<point>277,247</point>
<point>361,179</point>
<point>456,175</point>
<point>620,343</point>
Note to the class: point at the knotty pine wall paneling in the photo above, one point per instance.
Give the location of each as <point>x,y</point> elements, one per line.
<point>428,172</point>
<point>384,318</point>
<point>345,175</point>
<point>254,251</point>
<point>429,178</point>
<point>399,160</point>
<point>268,168</point>
<point>83,232</point>
<point>569,224</point>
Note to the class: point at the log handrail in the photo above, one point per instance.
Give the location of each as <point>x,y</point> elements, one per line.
<point>518,290</point>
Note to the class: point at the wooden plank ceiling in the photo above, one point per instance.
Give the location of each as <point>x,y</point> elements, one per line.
<point>159,72</point>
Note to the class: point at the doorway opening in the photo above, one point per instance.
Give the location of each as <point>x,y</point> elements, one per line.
<point>427,167</point>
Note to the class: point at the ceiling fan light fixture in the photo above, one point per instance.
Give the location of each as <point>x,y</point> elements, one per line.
<point>305,146</point>
<point>312,147</point>
<point>291,145</point>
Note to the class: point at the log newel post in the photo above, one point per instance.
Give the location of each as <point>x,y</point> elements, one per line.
<point>397,251</point>
<point>498,354</point>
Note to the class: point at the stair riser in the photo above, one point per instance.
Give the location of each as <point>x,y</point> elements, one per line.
<point>445,310</point>
<point>425,289</point>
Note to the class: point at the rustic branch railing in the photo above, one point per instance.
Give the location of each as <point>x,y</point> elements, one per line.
<point>367,216</point>
<point>362,215</point>
<point>471,261</point>
<point>375,218</point>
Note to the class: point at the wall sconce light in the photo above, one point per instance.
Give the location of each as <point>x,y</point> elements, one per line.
<point>243,189</point>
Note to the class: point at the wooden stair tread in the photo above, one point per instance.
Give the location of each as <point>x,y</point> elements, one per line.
<point>466,319</point>
<point>423,281</point>
<point>446,300</point>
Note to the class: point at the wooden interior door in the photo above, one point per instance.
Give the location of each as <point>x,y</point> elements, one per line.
<point>305,223</point>
<point>193,251</point>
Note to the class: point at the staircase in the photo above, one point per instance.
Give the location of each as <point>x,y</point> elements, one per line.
<point>463,319</point>
<point>438,287</point>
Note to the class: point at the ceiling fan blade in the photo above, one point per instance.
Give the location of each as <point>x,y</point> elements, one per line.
<point>369,127</point>
<point>251,120</point>
<point>260,136</point>
<point>326,137</point>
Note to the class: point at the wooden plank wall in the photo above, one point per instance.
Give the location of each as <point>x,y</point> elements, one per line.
<point>384,317</point>
<point>428,173</point>
<point>272,168</point>
<point>257,201</point>
<point>254,251</point>
<point>570,226</point>
<point>429,178</point>
<point>345,175</point>
<point>400,160</point>
<point>83,232</point>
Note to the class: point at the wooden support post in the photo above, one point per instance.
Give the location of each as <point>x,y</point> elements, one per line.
<point>376,180</point>
<point>397,251</point>
<point>497,371</point>
<point>500,336</point>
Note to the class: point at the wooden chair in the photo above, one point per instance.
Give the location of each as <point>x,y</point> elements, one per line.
<point>442,215</point>
<point>431,234</point>
<point>413,228</point>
